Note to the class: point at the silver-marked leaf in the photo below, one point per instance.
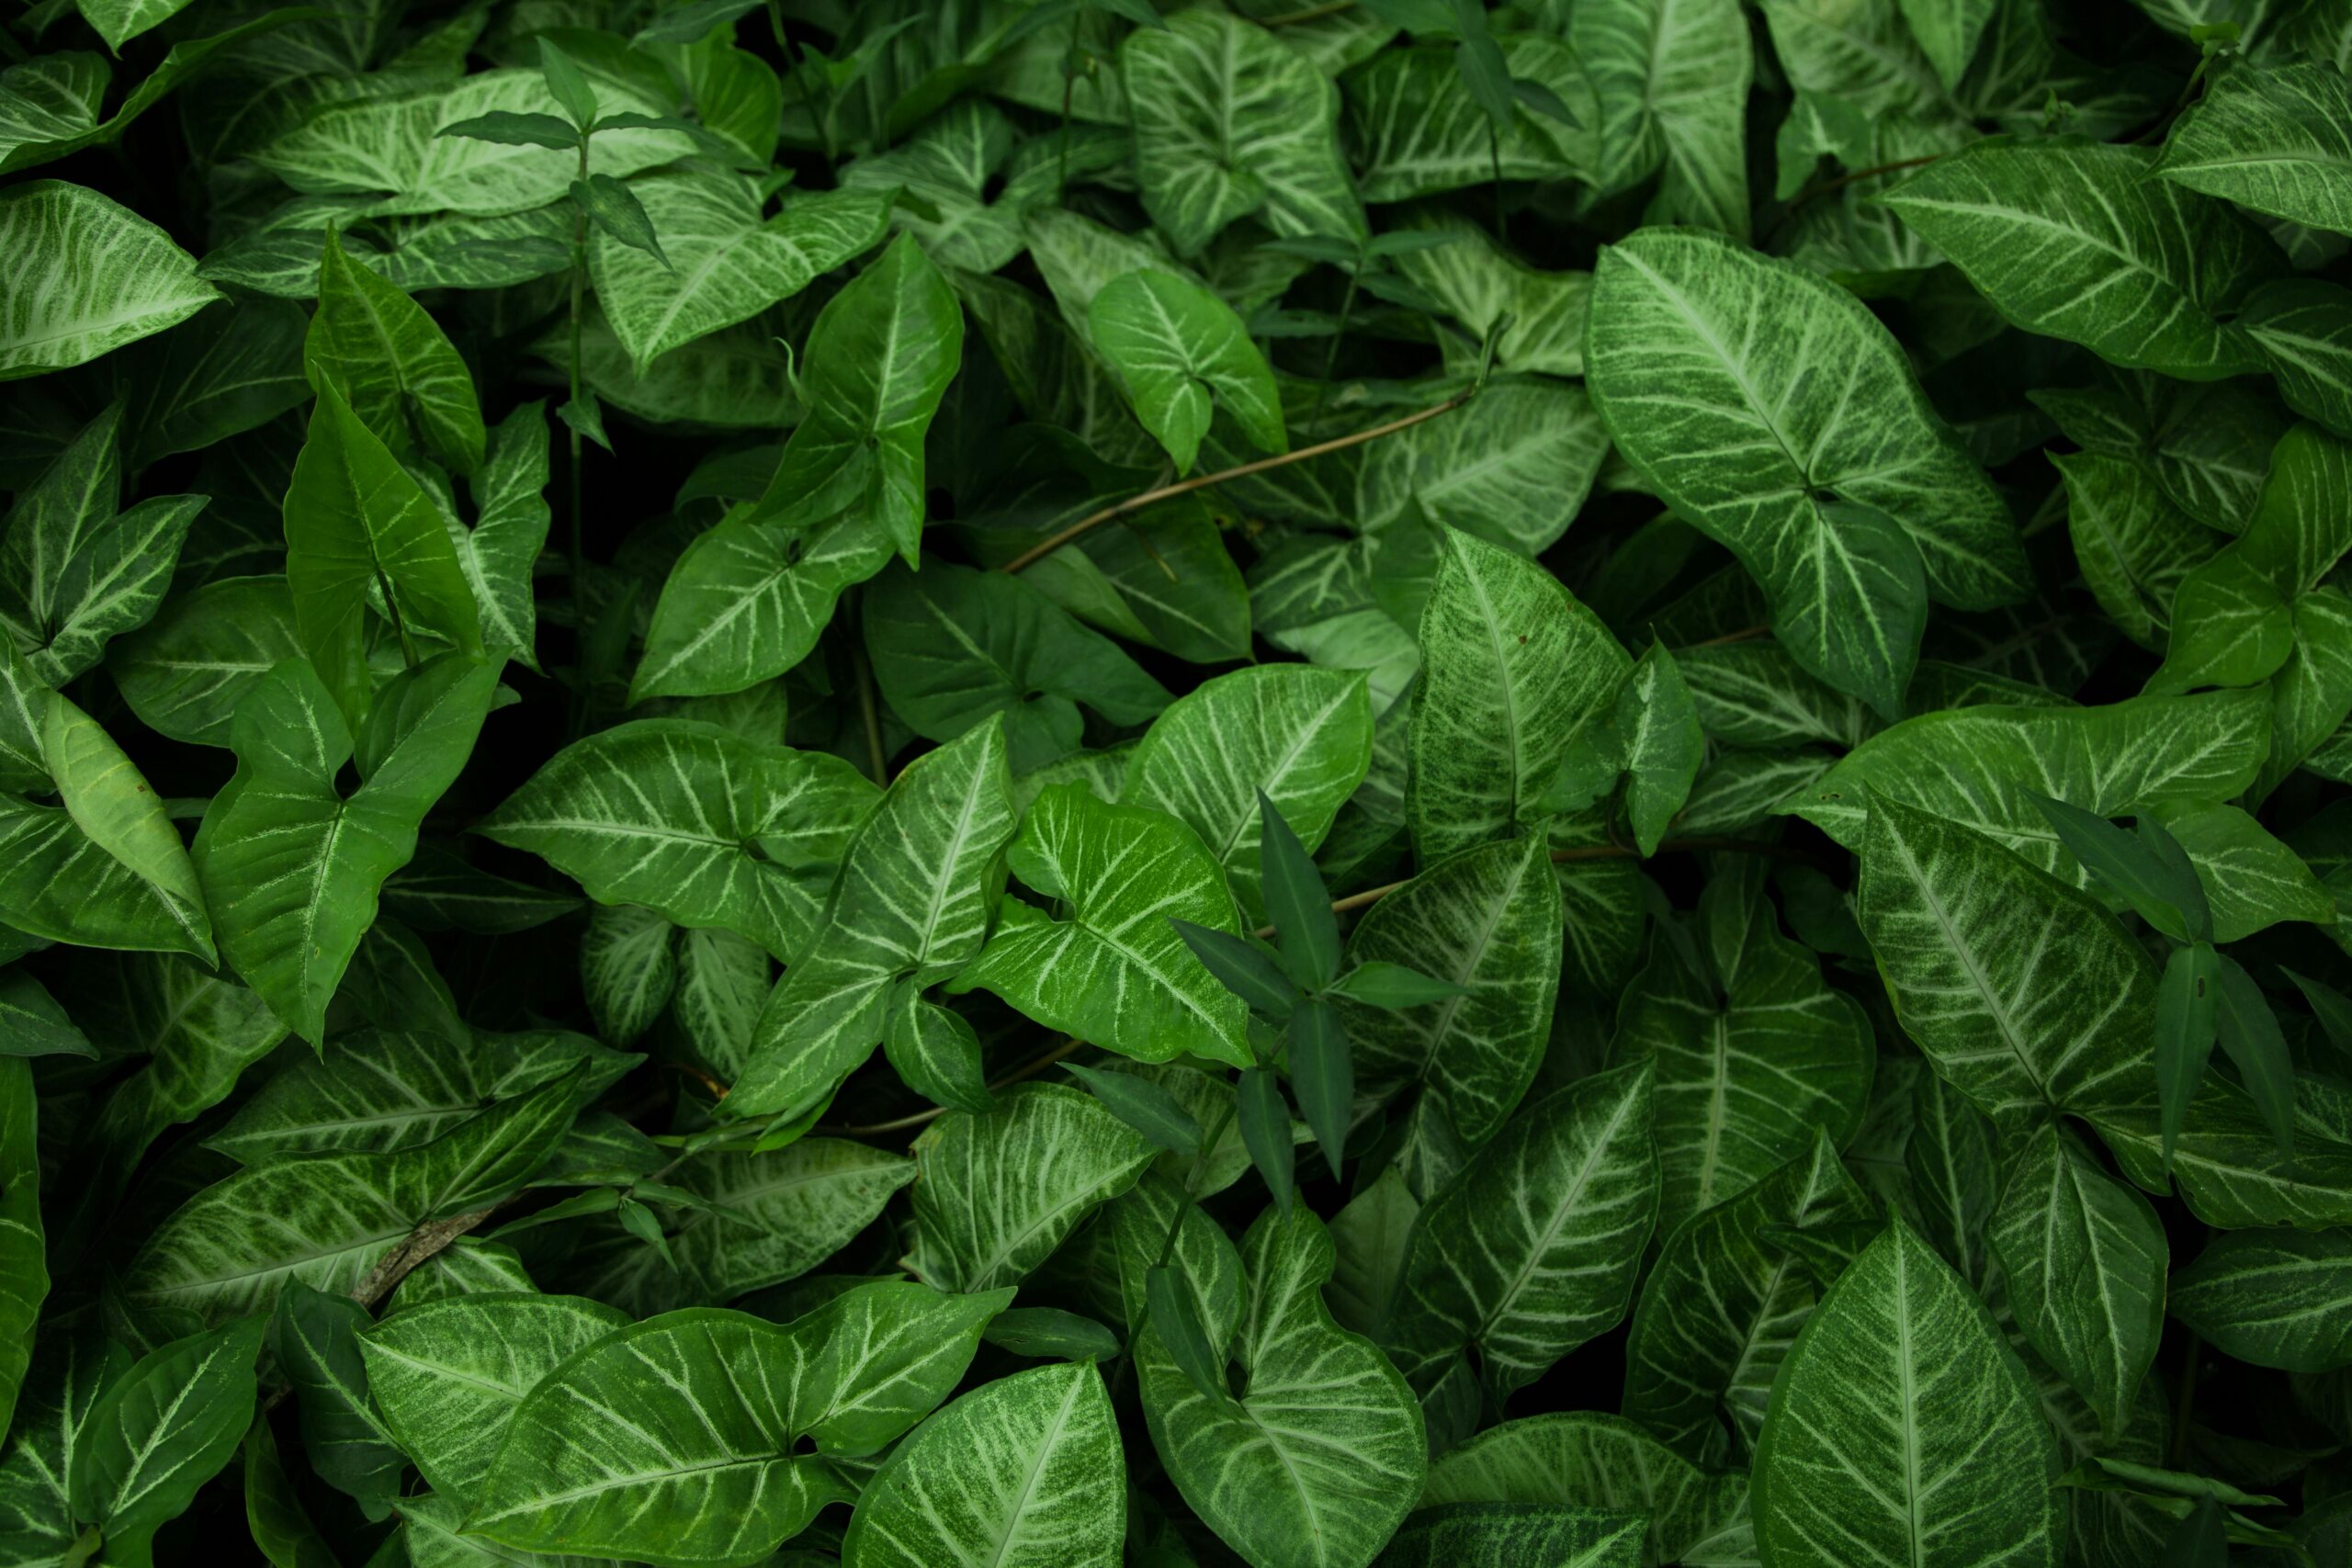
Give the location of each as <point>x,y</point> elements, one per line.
<point>708,1469</point>
<point>695,822</point>
<point>878,363</point>
<point>1589,1459</point>
<point>390,360</point>
<point>510,528</point>
<point>1532,1249</point>
<point>1230,122</point>
<point>2074,240</point>
<point>951,646</point>
<point>1319,1453</point>
<point>1301,735</point>
<point>747,599</point>
<point>91,275</point>
<point>1813,465</point>
<point>1515,673</point>
<point>1181,355</point>
<point>448,1374</point>
<point>995,1193</point>
<point>327,1219</point>
<point>774,1216</point>
<point>164,1430</point>
<point>1021,1472</point>
<point>24,1273</point>
<point>2272,1298</point>
<point>1114,972</point>
<point>627,969</point>
<point>1416,128</point>
<point>292,867</point>
<point>918,881</point>
<point>2135,548</point>
<point>392,150</point>
<point>726,262</point>
<point>2083,1260</point>
<point>1489,920</point>
<point>1514,471</point>
<point>1753,1060</point>
<point>2024,992</point>
<point>2302,328</point>
<point>1978,768</point>
<point>1903,1428</point>
<point>185,672</point>
<point>1725,1301</point>
<point>1672,84</point>
<point>2271,137</point>
<point>381,1089</point>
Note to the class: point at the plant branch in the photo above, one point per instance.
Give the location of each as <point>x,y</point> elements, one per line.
<point>1745,634</point>
<point>1087,525</point>
<point>426,1242</point>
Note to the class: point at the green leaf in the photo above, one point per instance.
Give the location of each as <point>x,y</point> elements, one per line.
<point>2271,138</point>
<point>2076,240</point>
<point>291,866</point>
<point>32,1024</point>
<point>1264,1116</point>
<point>164,1429</point>
<point>912,902</point>
<point>1980,768</point>
<point>1515,672</point>
<point>1902,1425</point>
<point>627,969</point>
<point>1753,1059</point>
<point>449,1374</point>
<point>510,529</point>
<point>75,570</point>
<point>951,646</point>
<point>1672,84</point>
<point>1418,130</point>
<point>1181,354</point>
<point>2135,546</point>
<point>2248,1030</point>
<point>184,672</point>
<point>2164,892</point>
<point>1514,471</point>
<point>1300,735</point>
<point>392,152</point>
<point>1229,123</point>
<point>102,277</point>
<point>384,1089</point>
<point>568,84</point>
<point>2022,992</point>
<point>1114,972</point>
<point>937,1053</point>
<point>727,263</point>
<point>391,363</point>
<point>997,1193</point>
<point>1723,1303</point>
<point>1813,469</point>
<point>1534,1248</point>
<point>509,129</point>
<point>123,818</point>
<point>356,522</point>
<point>1026,1469</point>
<point>2083,1256</point>
<point>327,1219</point>
<point>2272,1298</point>
<point>1663,744</point>
<point>1248,967</point>
<point>1320,1454</point>
<point>1586,1459</point>
<point>24,1274</point>
<point>695,822</point>
<point>1144,1106</point>
<point>1488,921</point>
<point>314,1339</point>
<point>2302,328</point>
<point>878,361</point>
<point>709,1471</point>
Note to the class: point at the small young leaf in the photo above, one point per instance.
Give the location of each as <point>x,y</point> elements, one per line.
<point>1040,1333</point>
<point>1178,1322</point>
<point>1265,1131</point>
<point>2248,1030</point>
<point>1244,966</point>
<point>1391,987</point>
<point>569,85</point>
<point>1323,1076</point>
<point>2187,1010</point>
<point>2153,884</point>
<point>512,130</point>
<point>935,1053</point>
<point>1143,1105</point>
<point>613,208</point>
<point>1297,901</point>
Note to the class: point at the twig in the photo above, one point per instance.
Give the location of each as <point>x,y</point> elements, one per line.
<point>422,1245</point>
<point>1087,525</point>
<point>873,719</point>
<point>899,1125</point>
<point>1745,634</point>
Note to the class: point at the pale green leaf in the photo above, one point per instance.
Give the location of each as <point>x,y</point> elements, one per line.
<point>93,277</point>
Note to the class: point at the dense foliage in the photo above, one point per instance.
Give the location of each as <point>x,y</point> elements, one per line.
<point>967,782</point>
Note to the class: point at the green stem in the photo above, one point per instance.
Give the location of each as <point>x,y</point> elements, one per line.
<point>2185,1404</point>
<point>400,626</point>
